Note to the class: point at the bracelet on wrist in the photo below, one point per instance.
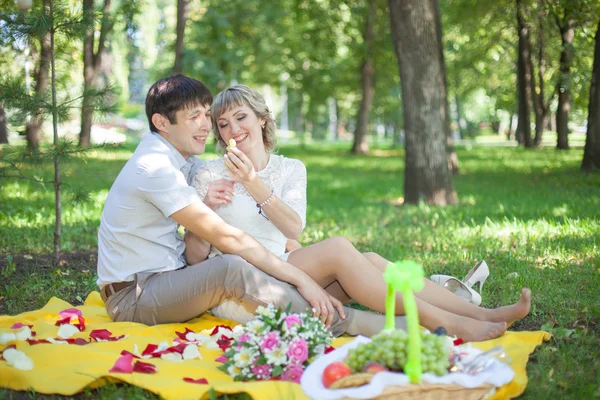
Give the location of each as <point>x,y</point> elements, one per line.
<point>264,203</point>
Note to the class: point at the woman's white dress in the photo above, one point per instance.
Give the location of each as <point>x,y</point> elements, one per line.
<point>287,178</point>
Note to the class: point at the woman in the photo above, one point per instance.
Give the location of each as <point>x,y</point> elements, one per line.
<point>265,195</point>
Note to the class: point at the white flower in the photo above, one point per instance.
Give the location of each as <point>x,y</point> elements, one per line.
<point>244,357</point>
<point>7,337</point>
<point>234,370</point>
<point>175,357</point>
<point>191,352</point>
<point>17,359</point>
<point>268,312</point>
<point>238,331</point>
<point>255,326</point>
<point>277,356</point>
<point>66,331</point>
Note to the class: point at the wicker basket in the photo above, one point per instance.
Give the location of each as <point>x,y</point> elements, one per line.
<point>426,391</point>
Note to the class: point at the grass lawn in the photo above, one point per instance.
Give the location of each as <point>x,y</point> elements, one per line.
<point>530,214</point>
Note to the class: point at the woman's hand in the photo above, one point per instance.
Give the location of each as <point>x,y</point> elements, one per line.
<point>239,166</point>
<point>324,305</point>
<point>219,193</point>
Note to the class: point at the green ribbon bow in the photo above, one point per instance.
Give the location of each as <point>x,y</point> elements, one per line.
<point>406,277</point>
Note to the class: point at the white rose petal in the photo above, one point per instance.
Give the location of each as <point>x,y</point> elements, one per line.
<point>191,352</point>
<point>162,346</point>
<point>24,333</point>
<point>10,354</point>
<point>175,357</point>
<point>23,362</point>
<point>66,331</point>
<point>17,359</point>
<point>7,337</point>
<point>54,341</point>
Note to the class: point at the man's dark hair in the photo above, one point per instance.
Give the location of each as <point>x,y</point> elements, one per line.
<point>177,92</point>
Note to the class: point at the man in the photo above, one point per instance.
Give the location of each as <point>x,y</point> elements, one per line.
<point>142,271</point>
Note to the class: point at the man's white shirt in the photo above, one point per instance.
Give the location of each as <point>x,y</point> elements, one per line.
<point>136,232</point>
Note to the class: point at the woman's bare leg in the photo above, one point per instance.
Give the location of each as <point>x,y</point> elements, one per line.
<point>336,290</point>
<point>446,300</point>
<point>336,259</point>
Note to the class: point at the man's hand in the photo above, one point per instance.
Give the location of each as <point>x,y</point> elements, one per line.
<point>291,245</point>
<point>324,305</point>
<point>219,193</point>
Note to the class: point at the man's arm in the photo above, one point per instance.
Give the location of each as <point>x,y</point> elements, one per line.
<point>202,221</point>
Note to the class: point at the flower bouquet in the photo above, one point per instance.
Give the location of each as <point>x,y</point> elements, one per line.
<point>276,345</point>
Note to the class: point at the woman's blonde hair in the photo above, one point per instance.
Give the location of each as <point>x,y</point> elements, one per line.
<point>242,95</point>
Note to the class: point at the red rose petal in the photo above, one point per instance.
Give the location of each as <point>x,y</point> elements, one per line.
<point>458,342</point>
<point>20,325</point>
<point>224,343</point>
<point>68,320</point>
<point>33,341</point>
<point>144,367</point>
<point>329,349</point>
<point>221,359</point>
<point>69,312</point>
<point>104,335</point>
<point>150,349</point>
<point>100,334</point>
<point>201,381</point>
<point>124,364</point>
<point>183,334</point>
<point>216,328</point>
<point>125,352</point>
<point>78,341</point>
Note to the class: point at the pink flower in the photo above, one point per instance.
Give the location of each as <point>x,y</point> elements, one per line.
<point>269,341</point>
<point>262,371</point>
<point>292,373</point>
<point>292,320</point>
<point>298,351</point>
<point>244,338</point>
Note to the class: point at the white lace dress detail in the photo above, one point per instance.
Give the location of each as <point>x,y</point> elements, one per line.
<point>287,178</point>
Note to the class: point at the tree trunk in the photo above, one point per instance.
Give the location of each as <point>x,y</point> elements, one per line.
<point>92,60</point>
<point>182,6</point>
<point>452,156</point>
<point>524,79</point>
<point>361,146</point>
<point>415,33</point>
<point>510,125</point>
<point>591,152</point>
<point>33,129</point>
<point>567,33</point>
<point>3,130</point>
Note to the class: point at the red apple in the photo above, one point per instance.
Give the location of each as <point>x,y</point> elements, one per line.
<point>334,372</point>
<point>374,367</point>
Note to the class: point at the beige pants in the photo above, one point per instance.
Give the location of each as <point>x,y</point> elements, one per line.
<point>177,296</point>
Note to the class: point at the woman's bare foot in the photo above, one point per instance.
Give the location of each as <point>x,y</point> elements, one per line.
<point>515,312</point>
<point>472,330</point>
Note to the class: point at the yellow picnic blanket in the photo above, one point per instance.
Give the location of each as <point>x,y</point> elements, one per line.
<point>68,369</point>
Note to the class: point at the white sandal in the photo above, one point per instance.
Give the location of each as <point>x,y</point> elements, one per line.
<point>478,274</point>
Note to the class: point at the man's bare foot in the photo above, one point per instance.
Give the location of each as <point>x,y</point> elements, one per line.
<point>472,330</point>
<point>515,312</point>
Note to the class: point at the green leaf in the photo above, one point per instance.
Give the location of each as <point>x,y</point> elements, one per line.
<point>277,370</point>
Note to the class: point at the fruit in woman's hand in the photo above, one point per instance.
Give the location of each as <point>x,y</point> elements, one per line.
<point>231,143</point>
<point>334,372</point>
<point>374,367</point>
